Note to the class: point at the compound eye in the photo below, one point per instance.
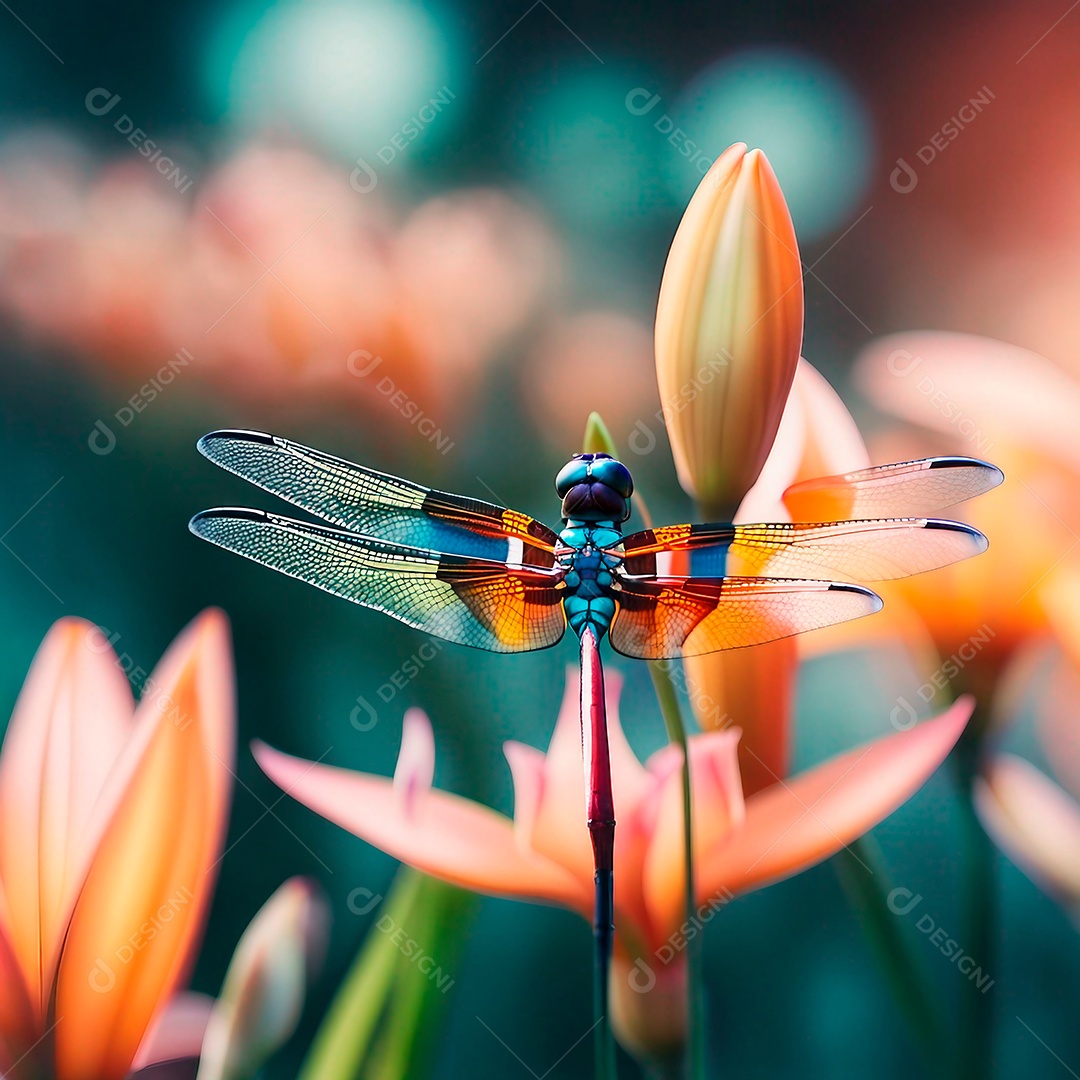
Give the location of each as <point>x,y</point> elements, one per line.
<point>615,475</point>
<point>573,472</point>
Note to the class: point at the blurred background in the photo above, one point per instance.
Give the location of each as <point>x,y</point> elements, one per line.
<point>429,237</point>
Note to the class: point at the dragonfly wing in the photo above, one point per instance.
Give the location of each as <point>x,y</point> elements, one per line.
<point>664,618</point>
<point>904,489</point>
<point>487,605</point>
<point>379,505</point>
<point>852,550</point>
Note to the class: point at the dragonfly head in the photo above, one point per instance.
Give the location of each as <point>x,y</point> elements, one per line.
<point>594,487</point>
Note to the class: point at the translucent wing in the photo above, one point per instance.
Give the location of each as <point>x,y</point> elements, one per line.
<point>851,550</point>
<point>378,505</point>
<point>665,618</point>
<point>904,489</point>
<point>470,601</point>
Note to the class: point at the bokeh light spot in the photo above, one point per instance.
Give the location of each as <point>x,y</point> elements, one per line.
<point>347,73</point>
<point>803,113</point>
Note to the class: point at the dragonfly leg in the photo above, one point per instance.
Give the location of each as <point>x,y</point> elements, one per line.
<point>600,811</point>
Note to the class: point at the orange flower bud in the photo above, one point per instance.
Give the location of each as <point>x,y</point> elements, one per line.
<point>728,328</point>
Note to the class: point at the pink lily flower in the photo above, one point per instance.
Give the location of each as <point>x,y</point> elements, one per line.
<point>543,852</point>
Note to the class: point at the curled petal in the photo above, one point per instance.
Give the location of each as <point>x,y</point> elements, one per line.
<point>416,760</point>
<point>795,824</point>
<point>446,836</point>
<point>141,909</point>
<point>71,721</point>
<point>1035,823</point>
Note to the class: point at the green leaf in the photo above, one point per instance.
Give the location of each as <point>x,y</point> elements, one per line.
<point>373,1025</point>
<point>864,877</point>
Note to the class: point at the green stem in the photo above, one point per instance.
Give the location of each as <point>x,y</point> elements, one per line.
<point>676,729</point>
<point>865,880</point>
<point>980,918</point>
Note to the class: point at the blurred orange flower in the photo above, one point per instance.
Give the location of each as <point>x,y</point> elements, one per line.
<point>544,853</point>
<point>112,819</point>
<point>277,278</point>
<point>986,397</point>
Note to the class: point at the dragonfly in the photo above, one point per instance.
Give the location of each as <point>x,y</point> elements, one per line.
<point>493,578</point>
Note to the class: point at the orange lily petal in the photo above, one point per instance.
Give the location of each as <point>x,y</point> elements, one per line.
<point>1034,822</point>
<point>18,1022</point>
<point>72,719</point>
<point>793,825</point>
<point>144,900</point>
<point>718,810</point>
<point>443,835</point>
<point>753,689</point>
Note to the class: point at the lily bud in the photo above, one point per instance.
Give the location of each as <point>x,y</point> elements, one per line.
<point>263,994</point>
<point>729,327</point>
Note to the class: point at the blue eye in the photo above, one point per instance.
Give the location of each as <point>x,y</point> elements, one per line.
<point>615,475</point>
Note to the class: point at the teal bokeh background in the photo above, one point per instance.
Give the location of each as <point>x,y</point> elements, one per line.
<point>793,990</point>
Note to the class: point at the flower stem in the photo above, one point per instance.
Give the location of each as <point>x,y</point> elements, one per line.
<point>676,729</point>
<point>865,879</point>
<point>980,915</point>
